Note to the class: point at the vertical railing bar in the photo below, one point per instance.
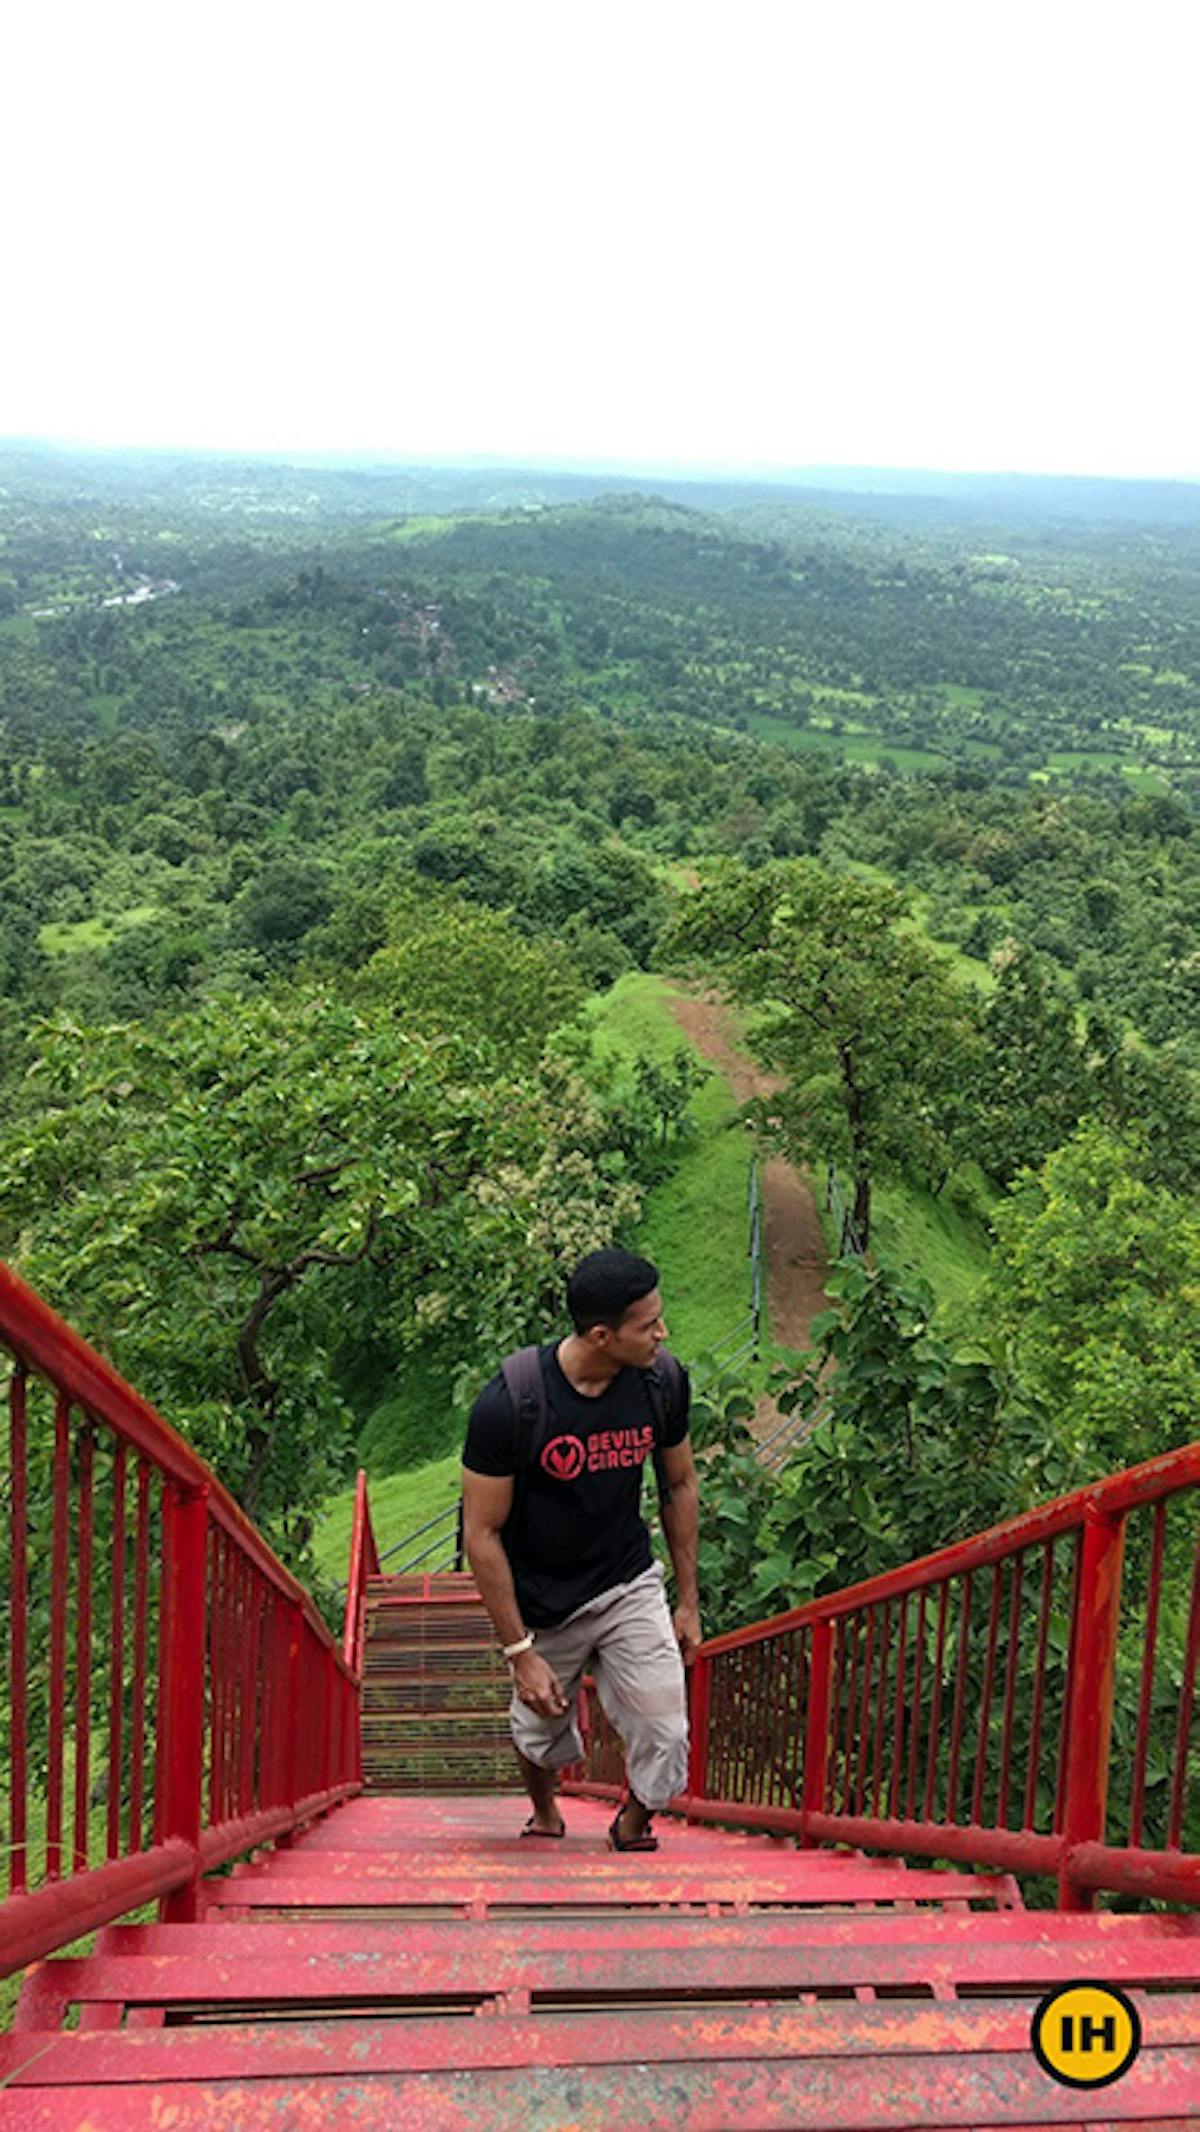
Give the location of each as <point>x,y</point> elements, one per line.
<point>960,1695</point>
<point>804,1689</point>
<point>1039,1688</point>
<point>791,1750</point>
<point>985,1700</point>
<point>269,1753</point>
<point>246,1715</point>
<point>1064,1728</point>
<point>753,1793</point>
<point>816,1792</point>
<point>83,1650</point>
<point>1149,1655</point>
<point>216,1630</point>
<point>749,1667</point>
<point>58,1637</point>
<point>116,1678</point>
<point>18,1632</point>
<point>774,1675</point>
<point>778,1660</point>
<point>743,1748</point>
<point>935,1707</point>
<point>733,1697</point>
<point>885,1648</point>
<point>718,1731</point>
<point>898,1711</point>
<point>163,1753</point>
<point>237,1677</point>
<point>910,1794</point>
<point>1088,1744</point>
<point>230,1670</point>
<point>775,1713</point>
<point>279,1723</point>
<point>137,1705</point>
<point>1010,1688</point>
<point>728,1688</point>
<point>227,1646</point>
<point>833,1771</point>
<point>854,1627</point>
<point>750,1674</point>
<point>1186,1700</point>
<point>250,1708</point>
<point>860,1770</point>
<point>731,1722</point>
<point>179,1776</point>
<point>269,1768</point>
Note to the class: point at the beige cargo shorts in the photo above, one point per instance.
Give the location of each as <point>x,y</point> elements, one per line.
<point>625,1638</point>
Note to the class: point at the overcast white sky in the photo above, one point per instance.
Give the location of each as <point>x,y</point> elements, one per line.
<point>943,234</point>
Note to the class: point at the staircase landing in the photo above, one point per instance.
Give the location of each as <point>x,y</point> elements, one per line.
<point>413,1962</point>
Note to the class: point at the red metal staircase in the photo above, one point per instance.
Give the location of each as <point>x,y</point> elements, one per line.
<point>330,1955</point>
<point>435,1690</point>
<point>407,1962</point>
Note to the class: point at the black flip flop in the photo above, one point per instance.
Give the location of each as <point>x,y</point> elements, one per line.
<point>547,1835</point>
<point>616,1842</point>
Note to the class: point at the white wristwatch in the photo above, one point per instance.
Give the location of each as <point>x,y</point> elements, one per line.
<point>514,1650</point>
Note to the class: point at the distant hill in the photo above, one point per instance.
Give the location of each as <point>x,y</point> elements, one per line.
<point>359,487</point>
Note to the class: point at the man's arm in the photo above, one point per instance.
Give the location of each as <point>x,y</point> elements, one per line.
<point>681,1525</point>
<point>487,1500</point>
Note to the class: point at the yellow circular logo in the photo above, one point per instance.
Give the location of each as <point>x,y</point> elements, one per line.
<point>1086,2035</point>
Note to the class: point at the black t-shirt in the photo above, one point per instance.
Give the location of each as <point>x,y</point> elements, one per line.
<point>578,1529</point>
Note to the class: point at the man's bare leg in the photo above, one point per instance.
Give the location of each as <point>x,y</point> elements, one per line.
<point>542,1786</point>
<point>634,1821</point>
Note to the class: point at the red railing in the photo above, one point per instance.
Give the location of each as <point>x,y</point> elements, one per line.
<point>364,1563</point>
<point>166,1674</point>
<point>1023,1701</point>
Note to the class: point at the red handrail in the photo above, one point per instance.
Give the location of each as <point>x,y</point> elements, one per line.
<point>221,1701</point>
<point>965,1683</point>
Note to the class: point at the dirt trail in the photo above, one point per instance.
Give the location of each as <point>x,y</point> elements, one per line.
<point>796,1259</point>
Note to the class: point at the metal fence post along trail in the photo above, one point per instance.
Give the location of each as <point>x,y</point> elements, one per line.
<point>171,1690</point>
<point>1023,1701</point>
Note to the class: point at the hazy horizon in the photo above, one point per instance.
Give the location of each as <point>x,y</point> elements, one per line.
<point>365,459</point>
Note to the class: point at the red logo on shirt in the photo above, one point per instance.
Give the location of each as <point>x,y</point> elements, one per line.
<point>563,1458</point>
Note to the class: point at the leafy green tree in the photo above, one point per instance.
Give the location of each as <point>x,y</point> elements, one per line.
<point>858,1013</point>
<point>281,903</point>
<point>213,1200</point>
<point>1095,1284</point>
<point>1030,1084</point>
<point>905,1442</point>
<point>456,966</point>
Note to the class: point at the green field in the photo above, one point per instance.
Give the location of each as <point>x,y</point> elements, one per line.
<point>855,744</point>
<point>59,939</point>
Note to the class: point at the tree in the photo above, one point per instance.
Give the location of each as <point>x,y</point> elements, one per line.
<point>281,903</point>
<point>215,1200</point>
<point>859,1014</point>
<point>461,967</point>
<point>1095,1284</point>
<point>1031,1082</point>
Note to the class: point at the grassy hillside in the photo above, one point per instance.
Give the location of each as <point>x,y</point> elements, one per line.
<point>400,1502</point>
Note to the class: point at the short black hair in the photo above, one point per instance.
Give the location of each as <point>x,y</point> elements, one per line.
<point>603,1286</point>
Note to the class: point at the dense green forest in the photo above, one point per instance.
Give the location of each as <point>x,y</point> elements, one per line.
<point>328,798</point>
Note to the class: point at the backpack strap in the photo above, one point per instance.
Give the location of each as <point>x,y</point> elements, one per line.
<point>664,1389</point>
<point>526,1388</point>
